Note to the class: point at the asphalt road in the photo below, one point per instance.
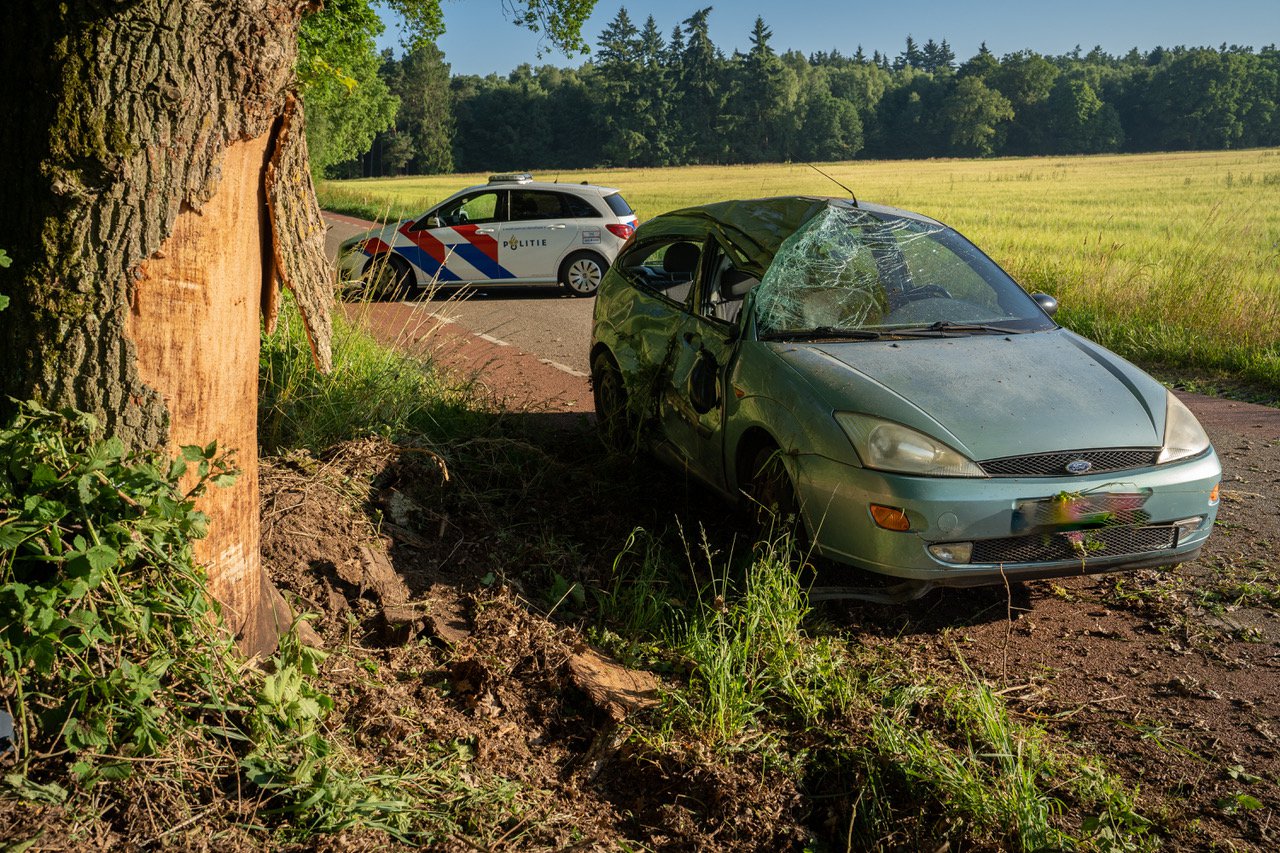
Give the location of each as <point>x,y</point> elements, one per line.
<point>542,320</point>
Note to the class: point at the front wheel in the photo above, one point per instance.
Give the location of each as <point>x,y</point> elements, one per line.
<point>774,507</point>
<point>581,273</point>
<point>388,277</point>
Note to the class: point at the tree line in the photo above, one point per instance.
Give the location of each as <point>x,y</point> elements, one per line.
<point>649,99</point>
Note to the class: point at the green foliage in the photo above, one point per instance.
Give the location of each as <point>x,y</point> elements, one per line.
<point>101,607</point>
<point>347,101</point>
<point>422,140</point>
<point>372,390</point>
<point>113,660</point>
<point>5,261</point>
<point>650,103</point>
<point>931,758</point>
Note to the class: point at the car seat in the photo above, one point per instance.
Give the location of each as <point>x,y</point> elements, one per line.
<point>523,207</point>
<point>680,260</point>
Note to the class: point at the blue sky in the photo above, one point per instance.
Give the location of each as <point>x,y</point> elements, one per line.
<point>480,39</point>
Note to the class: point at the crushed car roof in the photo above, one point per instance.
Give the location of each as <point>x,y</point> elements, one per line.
<point>755,228</point>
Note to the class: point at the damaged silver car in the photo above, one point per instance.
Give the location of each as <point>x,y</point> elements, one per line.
<point>873,374</point>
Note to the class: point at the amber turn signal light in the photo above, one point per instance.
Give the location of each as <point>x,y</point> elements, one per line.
<point>890,517</point>
<point>1213,496</point>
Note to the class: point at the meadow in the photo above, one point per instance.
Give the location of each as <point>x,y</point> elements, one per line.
<point>1173,260</point>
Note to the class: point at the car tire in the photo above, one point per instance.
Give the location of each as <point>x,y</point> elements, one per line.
<point>388,277</point>
<point>613,417</point>
<point>582,272</point>
<point>774,508</point>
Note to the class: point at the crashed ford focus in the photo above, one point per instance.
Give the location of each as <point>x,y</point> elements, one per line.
<point>872,374</point>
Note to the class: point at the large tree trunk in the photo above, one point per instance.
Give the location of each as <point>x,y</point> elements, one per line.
<point>136,140</point>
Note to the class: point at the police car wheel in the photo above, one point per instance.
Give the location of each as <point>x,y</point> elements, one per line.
<point>388,277</point>
<point>581,273</point>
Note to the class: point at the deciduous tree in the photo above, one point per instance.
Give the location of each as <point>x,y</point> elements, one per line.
<point>154,191</point>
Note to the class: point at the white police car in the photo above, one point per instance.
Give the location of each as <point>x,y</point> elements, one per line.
<point>512,230</point>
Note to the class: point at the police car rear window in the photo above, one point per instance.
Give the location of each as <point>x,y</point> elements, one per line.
<point>618,204</point>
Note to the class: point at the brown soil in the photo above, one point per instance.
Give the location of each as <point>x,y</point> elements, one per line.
<point>451,656</point>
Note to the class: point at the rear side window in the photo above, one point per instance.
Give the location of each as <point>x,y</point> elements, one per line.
<point>576,207</point>
<point>667,269</point>
<point>531,204</point>
<point>618,204</point>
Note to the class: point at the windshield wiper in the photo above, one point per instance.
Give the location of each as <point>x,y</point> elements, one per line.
<point>943,328</point>
<point>827,332</point>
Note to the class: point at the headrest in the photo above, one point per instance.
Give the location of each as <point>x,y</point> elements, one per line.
<point>680,258</point>
<point>735,283</point>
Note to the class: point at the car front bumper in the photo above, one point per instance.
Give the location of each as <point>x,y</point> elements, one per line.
<point>991,514</point>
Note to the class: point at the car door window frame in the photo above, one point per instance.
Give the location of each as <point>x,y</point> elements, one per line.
<point>646,250</point>
<point>499,210</point>
<point>714,263</point>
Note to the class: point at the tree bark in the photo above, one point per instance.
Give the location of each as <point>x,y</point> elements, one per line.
<point>132,200</point>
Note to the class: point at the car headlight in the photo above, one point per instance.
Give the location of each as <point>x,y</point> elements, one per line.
<point>890,446</point>
<point>1183,435</point>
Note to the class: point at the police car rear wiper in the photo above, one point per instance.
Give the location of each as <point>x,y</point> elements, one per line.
<point>943,328</point>
<point>822,332</point>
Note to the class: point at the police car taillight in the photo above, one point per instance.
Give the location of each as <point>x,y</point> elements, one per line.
<point>621,229</point>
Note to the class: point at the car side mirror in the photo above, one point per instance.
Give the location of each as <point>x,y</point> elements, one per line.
<point>1047,303</point>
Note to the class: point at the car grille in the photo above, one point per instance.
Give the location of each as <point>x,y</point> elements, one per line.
<point>1055,464</point>
<point>1090,544</point>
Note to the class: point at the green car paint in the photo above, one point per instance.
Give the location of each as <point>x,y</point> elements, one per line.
<point>892,363</point>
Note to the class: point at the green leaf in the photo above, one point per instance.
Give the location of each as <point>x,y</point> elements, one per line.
<point>4,303</point>
<point>224,480</point>
<point>84,484</point>
<point>50,793</point>
<point>1238,772</point>
<point>13,535</point>
<point>102,557</point>
<point>192,452</point>
<point>115,772</point>
<point>105,451</point>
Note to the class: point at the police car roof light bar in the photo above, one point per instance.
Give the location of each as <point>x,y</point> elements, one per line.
<point>517,178</point>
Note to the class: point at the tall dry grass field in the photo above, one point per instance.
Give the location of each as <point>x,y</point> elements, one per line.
<point>1171,259</point>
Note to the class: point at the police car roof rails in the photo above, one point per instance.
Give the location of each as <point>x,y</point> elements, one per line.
<point>513,177</point>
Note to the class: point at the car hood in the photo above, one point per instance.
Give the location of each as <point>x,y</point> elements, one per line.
<point>992,395</point>
<point>383,232</point>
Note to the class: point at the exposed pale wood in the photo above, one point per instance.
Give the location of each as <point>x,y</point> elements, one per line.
<point>614,688</point>
<point>195,325</point>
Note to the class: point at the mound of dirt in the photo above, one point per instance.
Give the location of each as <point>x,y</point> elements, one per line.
<point>445,663</point>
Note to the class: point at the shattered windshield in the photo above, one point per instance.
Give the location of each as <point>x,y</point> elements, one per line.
<point>864,274</point>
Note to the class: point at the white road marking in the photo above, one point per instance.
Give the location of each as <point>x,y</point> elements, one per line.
<point>562,367</point>
<point>491,339</point>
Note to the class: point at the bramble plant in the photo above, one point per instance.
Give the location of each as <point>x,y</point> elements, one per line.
<point>103,619</point>
<point>111,654</point>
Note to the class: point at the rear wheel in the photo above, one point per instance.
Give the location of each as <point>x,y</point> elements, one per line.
<point>581,273</point>
<point>612,417</point>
